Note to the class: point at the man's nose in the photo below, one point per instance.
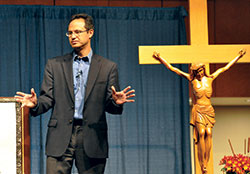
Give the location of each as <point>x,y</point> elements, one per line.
<point>73,35</point>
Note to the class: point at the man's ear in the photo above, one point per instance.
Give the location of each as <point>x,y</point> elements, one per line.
<point>91,33</point>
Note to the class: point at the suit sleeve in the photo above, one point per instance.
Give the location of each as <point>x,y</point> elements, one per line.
<point>111,106</point>
<point>46,99</point>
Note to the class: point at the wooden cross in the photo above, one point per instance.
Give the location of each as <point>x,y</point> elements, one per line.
<point>199,50</point>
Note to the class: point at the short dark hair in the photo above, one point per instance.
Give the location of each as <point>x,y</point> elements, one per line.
<point>89,22</point>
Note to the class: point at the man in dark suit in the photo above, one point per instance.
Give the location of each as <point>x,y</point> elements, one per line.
<point>79,87</point>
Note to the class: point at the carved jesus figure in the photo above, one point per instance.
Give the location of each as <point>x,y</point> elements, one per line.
<point>203,116</point>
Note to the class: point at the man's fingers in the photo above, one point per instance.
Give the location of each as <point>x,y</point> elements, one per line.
<point>20,93</point>
<point>130,92</point>
<point>130,101</point>
<point>126,89</point>
<point>113,89</point>
<point>18,98</point>
<point>132,95</point>
<point>33,93</point>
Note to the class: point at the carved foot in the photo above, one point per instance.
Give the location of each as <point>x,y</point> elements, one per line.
<point>204,170</point>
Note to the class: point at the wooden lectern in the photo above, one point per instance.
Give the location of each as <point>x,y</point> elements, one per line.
<point>14,137</point>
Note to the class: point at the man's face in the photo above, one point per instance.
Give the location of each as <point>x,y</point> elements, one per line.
<point>79,36</point>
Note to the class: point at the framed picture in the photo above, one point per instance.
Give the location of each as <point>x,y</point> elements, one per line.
<point>14,137</point>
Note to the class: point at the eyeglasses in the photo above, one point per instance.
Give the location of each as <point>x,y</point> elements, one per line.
<point>76,32</point>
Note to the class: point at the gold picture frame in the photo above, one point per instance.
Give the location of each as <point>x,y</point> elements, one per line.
<point>8,107</point>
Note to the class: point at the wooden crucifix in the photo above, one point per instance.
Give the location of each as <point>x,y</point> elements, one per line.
<point>199,50</point>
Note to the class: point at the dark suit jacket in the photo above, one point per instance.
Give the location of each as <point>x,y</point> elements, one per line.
<point>57,93</point>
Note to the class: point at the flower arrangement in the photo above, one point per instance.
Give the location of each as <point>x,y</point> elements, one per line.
<point>236,164</point>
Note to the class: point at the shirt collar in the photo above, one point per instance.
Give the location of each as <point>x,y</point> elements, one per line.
<point>89,55</point>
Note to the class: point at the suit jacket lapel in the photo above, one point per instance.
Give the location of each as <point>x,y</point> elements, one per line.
<point>93,73</point>
<point>68,73</point>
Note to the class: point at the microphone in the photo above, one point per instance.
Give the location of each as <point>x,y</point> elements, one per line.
<point>79,73</point>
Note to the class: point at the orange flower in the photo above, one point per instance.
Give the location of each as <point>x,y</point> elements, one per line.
<point>245,167</point>
<point>238,163</point>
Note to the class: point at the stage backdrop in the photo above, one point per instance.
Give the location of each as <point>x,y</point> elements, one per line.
<point>152,135</point>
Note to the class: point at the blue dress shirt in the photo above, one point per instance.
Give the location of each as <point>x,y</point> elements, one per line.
<point>80,73</point>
